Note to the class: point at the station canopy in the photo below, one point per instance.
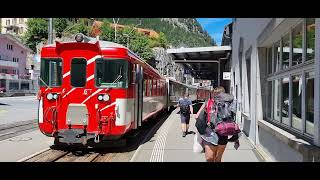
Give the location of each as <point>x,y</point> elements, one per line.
<point>201,62</point>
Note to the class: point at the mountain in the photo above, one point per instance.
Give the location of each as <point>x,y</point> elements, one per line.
<point>180,32</point>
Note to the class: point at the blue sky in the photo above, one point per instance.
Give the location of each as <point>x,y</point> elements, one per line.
<point>214,26</point>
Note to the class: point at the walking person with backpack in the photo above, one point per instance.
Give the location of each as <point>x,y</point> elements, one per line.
<point>225,106</point>
<point>215,124</point>
<point>186,109</point>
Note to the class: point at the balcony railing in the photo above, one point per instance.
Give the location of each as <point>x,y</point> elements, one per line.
<point>8,76</point>
<point>8,63</point>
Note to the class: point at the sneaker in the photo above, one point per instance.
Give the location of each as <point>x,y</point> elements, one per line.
<point>184,134</point>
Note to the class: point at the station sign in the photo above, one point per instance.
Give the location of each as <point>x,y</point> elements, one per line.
<point>226,75</point>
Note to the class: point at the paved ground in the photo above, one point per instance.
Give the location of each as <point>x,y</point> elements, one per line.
<point>168,145</point>
<point>16,109</point>
<point>21,146</point>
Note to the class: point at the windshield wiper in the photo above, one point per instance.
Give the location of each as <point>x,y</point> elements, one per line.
<point>119,76</point>
<point>44,82</point>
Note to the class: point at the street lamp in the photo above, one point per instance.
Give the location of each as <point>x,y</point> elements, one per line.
<point>50,38</point>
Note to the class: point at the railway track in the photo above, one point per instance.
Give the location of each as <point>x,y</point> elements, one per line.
<point>111,154</point>
<point>11,130</point>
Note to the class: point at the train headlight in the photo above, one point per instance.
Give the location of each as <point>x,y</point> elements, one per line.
<point>100,97</point>
<point>49,96</point>
<point>106,97</point>
<point>79,37</point>
<point>55,96</point>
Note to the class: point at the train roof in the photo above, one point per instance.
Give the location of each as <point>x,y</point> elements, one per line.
<point>102,44</point>
<point>108,44</point>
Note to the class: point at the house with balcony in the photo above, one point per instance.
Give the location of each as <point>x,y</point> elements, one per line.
<point>97,24</point>
<point>17,26</point>
<point>14,76</point>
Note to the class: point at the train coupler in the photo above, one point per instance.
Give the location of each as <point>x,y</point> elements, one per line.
<point>96,138</point>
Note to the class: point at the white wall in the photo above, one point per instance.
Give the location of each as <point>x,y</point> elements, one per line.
<point>257,34</point>
<point>248,30</point>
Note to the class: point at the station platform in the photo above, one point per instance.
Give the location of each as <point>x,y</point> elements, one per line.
<point>168,145</point>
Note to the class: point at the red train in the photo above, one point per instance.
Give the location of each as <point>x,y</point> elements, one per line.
<point>99,90</point>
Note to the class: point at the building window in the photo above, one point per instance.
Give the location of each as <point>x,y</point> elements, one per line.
<point>20,20</point>
<point>269,100</point>
<point>14,85</point>
<point>9,47</point>
<point>276,100</point>
<point>310,38</point>
<point>297,45</point>
<point>296,102</point>
<point>8,22</point>
<point>248,66</point>
<point>285,103</point>
<point>269,60</point>
<point>24,86</point>
<point>290,103</point>
<point>285,51</point>
<point>4,70</point>
<point>276,60</point>
<point>309,78</point>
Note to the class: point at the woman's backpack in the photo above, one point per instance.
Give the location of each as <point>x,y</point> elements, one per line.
<point>201,123</point>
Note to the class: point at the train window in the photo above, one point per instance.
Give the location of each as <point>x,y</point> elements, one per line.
<point>155,87</point>
<point>144,87</point>
<point>160,88</point>
<point>51,72</point>
<point>78,72</point>
<point>150,87</point>
<point>112,73</point>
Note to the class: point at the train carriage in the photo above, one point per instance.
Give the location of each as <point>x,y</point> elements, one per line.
<point>94,90</point>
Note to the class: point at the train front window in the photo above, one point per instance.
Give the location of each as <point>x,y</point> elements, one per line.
<point>78,72</point>
<point>51,72</point>
<point>111,73</point>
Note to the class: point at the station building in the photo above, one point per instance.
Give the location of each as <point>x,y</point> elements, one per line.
<point>275,70</point>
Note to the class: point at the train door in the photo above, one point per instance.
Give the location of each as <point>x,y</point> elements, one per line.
<point>138,102</point>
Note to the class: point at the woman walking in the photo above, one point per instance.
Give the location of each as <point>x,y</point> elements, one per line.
<point>214,143</point>
<point>225,112</point>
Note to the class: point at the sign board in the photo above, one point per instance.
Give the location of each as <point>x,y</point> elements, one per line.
<point>226,75</point>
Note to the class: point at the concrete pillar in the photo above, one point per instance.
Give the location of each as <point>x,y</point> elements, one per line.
<point>19,84</point>
<point>317,85</point>
<point>7,85</point>
<point>219,73</point>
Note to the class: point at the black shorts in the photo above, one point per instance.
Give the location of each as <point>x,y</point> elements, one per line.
<point>223,140</point>
<point>185,119</point>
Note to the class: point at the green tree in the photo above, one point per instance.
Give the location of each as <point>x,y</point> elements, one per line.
<point>36,33</point>
<point>79,27</point>
<point>140,44</point>
<point>107,32</point>
<point>60,25</point>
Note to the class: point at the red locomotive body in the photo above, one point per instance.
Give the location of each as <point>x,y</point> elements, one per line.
<point>93,89</point>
